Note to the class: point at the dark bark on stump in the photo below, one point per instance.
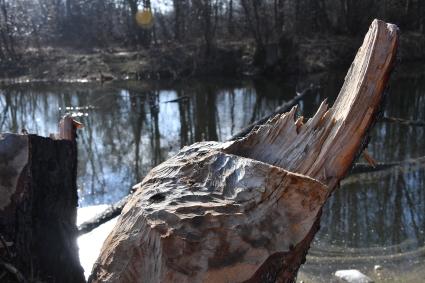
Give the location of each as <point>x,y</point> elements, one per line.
<point>38,206</point>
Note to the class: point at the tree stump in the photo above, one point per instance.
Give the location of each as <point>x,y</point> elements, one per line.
<point>38,206</point>
<point>247,210</point>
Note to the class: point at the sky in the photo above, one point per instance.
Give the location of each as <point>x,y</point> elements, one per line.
<point>162,5</point>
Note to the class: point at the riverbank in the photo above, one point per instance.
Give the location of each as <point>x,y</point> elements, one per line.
<point>300,56</point>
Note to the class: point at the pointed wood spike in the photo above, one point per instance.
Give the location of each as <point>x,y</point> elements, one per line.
<point>247,210</point>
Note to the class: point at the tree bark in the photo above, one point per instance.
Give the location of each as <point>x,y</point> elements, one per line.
<point>247,210</point>
<point>38,206</point>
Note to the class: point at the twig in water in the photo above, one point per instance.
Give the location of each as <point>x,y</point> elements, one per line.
<point>414,123</point>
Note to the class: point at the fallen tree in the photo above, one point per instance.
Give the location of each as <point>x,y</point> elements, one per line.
<point>247,210</point>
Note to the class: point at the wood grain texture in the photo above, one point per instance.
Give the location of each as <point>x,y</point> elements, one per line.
<point>204,216</point>
<point>247,210</point>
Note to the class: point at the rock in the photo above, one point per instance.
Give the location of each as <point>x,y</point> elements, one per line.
<point>377,267</point>
<point>353,276</point>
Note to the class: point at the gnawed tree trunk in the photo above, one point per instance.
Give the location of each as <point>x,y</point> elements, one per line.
<point>38,205</point>
<point>247,210</point>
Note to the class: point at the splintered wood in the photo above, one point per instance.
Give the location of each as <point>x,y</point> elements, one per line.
<point>247,210</point>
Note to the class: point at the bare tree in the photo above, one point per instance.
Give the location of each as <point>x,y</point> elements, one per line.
<point>7,41</point>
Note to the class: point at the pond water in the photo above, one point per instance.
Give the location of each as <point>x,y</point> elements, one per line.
<point>129,127</point>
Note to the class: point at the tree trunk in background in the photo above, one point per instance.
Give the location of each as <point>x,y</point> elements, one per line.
<point>6,36</point>
<point>207,24</point>
<point>252,12</point>
<point>421,9</point>
<point>139,35</point>
<point>230,20</point>
<point>146,33</point>
<point>68,8</point>
<point>321,21</point>
<point>38,206</point>
<point>134,30</point>
<point>278,6</point>
<point>179,19</point>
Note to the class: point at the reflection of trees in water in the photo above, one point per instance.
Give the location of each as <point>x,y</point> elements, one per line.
<point>186,133</point>
<point>125,136</point>
<point>112,155</point>
<point>214,113</point>
<point>137,118</point>
<point>385,209</point>
<point>23,109</point>
<point>256,112</point>
<point>232,110</point>
<point>154,129</point>
<point>380,212</point>
<point>392,142</point>
<point>11,103</point>
<point>5,105</point>
<point>205,114</point>
<point>262,91</point>
<point>88,141</point>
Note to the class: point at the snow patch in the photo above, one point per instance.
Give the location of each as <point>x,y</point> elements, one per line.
<point>90,244</point>
<point>353,276</point>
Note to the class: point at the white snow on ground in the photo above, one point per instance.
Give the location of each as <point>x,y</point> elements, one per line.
<point>353,276</point>
<point>88,212</point>
<point>90,244</point>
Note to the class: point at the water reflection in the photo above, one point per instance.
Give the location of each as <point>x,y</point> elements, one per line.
<point>379,218</point>
<point>365,210</point>
<point>364,213</point>
<point>130,127</point>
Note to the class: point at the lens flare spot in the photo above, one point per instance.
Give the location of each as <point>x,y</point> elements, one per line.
<point>144,18</point>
